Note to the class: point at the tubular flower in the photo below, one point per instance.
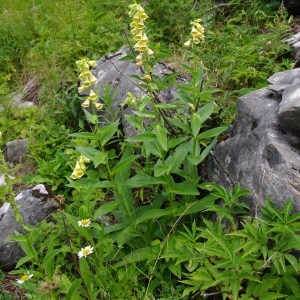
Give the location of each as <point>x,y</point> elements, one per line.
<point>85,73</point>
<point>197,33</point>
<point>99,106</point>
<point>91,98</point>
<point>79,169</point>
<point>137,26</point>
<point>24,278</point>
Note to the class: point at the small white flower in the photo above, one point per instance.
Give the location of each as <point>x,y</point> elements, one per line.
<point>84,223</point>
<point>85,251</point>
<point>25,277</point>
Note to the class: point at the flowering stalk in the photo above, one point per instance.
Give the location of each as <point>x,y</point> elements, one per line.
<point>137,26</point>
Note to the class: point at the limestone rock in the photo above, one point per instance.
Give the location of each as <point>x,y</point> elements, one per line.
<point>289,108</point>
<point>36,204</point>
<point>119,75</point>
<point>262,154</point>
<point>15,150</point>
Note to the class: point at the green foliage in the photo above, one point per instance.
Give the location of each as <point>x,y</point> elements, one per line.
<point>155,230</point>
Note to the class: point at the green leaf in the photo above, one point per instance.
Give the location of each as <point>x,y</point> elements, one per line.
<point>138,255</point>
<point>96,156</point>
<point>72,291</point>
<point>177,141</point>
<point>184,97</point>
<point>196,206</point>
<point>210,133</point>
<point>84,135</point>
<point>159,168</point>
<point>124,163</point>
<point>133,121</point>
<point>146,137</point>
<point>184,127</point>
<point>50,254</point>
<point>145,114</point>
<point>197,160</point>
<point>195,124</point>
<point>107,132</point>
<point>178,157</point>
<point>206,111</point>
<point>153,214</point>
<point>183,188</point>
<point>105,209</point>
<point>126,235</point>
<point>144,180</point>
<point>162,137</point>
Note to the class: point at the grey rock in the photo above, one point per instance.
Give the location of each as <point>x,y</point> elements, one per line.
<point>289,108</point>
<point>15,150</point>
<point>35,205</point>
<point>118,74</point>
<point>2,180</point>
<point>294,42</point>
<point>259,156</point>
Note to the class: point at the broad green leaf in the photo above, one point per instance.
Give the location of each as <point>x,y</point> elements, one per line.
<point>162,137</point>
<point>91,118</point>
<point>23,260</point>
<point>96,156</point>
<point>177,141</point>
<point>85,271</point>
<point>197,160</point>
<point>184,127</point>
<point>166,106</point>
<point>107,132</point>
<point>178,157</point>
<point>210,133</point>
<point>195,123</point>
<point>124,163</point>
<point>53,253</point>
<point>126,235</point>
<point>138,255</point>
<point>145,114</point>
<point>145,137</point>
<point>152,214</point>
<point>132,120</point>
<point>184,97</point>
<point>159,168</point>
<point>292,283</point>
<point>105,209</point>
<point>183,188</point>
<point>88,183</point>
<point>196,206</point>
<point>206,111</point>
<point>84,135</point>
<point>144,180</point>
<point>72,291</point>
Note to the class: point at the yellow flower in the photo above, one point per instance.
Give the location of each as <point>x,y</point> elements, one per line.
<point>149,51</point>
<point>148,77</point>
<point>93,96</point>
<point>197,33</point>
<point>84,223</point>
<point>24,278</point>
<point>99,106</point>
<point>85,251</point>
<point>79,169</point>
<point>187,44</point>
<point>86,103</point>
